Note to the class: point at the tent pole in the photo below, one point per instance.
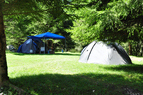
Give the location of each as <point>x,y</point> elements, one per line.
<point>44,46</point>
<point>48,45</point>
<point>65,45</point>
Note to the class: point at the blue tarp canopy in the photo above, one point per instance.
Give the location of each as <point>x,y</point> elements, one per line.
<point>47,35</point>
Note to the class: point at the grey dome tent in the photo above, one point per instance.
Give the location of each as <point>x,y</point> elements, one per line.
<point>101,53</point>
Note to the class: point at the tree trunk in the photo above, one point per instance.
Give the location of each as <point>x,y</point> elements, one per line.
<point>130,49</point>
<point>3,63</point>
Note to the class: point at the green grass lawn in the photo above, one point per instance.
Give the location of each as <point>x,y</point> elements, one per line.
<point>62,74</point>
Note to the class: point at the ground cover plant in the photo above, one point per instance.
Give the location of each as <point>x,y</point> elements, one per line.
<point>62,74</point>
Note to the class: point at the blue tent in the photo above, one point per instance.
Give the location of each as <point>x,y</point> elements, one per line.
<point>47,35</point>
<point>28,47</point>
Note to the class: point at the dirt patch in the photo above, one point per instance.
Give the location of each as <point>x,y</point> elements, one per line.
<point>136,58</point>
<point>130,91</point>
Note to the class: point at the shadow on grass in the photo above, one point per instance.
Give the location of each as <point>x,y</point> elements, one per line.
<point>132,68</point>
<point>78,84</point>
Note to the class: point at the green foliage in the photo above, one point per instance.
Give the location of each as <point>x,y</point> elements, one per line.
<point>17,30</point>
<point>39,17</point>
<point>137,48</point>
<point>118,21</point>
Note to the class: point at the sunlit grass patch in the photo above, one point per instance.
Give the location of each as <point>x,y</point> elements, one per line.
<point>61,73</point>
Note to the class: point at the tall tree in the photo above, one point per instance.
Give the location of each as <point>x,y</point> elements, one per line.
<point>33,8</point>
<point>3,63</point>
<point>114,20</point>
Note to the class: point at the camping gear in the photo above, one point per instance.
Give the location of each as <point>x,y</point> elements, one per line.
<point>102,53</point>
<point>11,48</point>
<point>47,35</point>
<point>30,46</point>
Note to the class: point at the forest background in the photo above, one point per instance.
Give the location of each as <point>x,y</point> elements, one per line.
<point>81,22</point>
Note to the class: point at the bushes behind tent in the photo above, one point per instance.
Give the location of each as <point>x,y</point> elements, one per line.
<point>136,48</point>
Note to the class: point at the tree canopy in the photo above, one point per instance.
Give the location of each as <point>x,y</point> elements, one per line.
<point>49,19</point>
<point>113,20</point>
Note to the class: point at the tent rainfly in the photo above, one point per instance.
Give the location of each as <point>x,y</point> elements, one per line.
<point>47,35</point>
<point>101,53</point>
